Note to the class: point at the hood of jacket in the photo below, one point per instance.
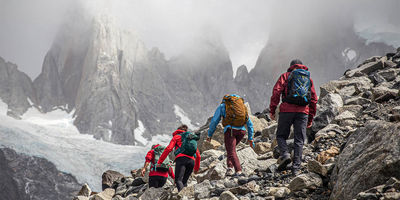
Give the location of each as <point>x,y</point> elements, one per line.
<point>297,66</point>
<point>179,131</point>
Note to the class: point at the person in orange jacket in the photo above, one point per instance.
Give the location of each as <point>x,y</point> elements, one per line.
<point>185,164</point>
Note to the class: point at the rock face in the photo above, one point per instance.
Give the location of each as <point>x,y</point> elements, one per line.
<point>24,177</point>
<point>115,84</point>
<point>16,89</point>
<point>326,59</point>
<point>371,158</point>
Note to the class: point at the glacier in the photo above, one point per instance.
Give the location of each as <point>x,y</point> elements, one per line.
<point>54,137</point>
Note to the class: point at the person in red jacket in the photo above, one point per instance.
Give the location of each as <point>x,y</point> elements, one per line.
<point>157,179</point>
<point>300,117</point>
<point>185,164</point>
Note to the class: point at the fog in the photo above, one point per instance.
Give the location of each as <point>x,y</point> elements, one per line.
<point>29,27</point>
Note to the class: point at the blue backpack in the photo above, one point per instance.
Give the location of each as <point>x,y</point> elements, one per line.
<point>298,89</point>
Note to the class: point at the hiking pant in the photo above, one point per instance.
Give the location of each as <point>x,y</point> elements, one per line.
<point>299,121</point>
<point>232,137</point>
<point>183,168</point>
<point>157,181</point>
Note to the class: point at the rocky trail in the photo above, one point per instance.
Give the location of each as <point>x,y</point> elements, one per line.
<point>353,150</point>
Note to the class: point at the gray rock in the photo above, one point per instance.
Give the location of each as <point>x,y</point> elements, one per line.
<point>305,181</point>
<point>107,194</point>
<point>109,176</point>
<point>202,190</point>
<point>246,188</point>
<point>269,132</point>
<point>389,74</point>
<point>154,194</point>
<point>327,108</point>
<point>227,195</point>
<point>382,94</point>
<point>316,167</point>
<point>370,157</point>
<point>346,115</point>
<point>249,161</point>
<point>16,89</point>
<point>357,101</point>
<point>26,177</point>
<point>262,147</point>
<point>85,191</point>
<point>278,192</point>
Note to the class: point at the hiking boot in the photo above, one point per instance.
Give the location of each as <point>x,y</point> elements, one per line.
<point>295,172</point>
<point>238,174</point>
<point>284,163</point>
<point>229,172</point>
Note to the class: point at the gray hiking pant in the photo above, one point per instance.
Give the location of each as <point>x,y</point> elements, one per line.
<point>299,121</point>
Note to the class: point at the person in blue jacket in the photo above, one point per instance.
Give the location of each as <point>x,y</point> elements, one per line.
<point>232,136</point>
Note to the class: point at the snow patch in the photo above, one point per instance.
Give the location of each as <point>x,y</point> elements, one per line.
<point>54,137</point>
<point>180,113</point>
<point>350,54</point>
<point>139,131</point>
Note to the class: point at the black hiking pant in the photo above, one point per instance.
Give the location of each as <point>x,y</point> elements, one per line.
<point>299,122</point>
<point>157,181</point>
<point>183,169</point>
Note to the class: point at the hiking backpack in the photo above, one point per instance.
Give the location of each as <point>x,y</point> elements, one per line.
<point>236,111</point>
<point>165,165</point>
<point>189,144</point>
<point>298,89</point>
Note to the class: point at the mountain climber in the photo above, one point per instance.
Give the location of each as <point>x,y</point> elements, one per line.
<point>187,155</point>
<point>158,175</point>
<point>298,108</point>
<point>234,118</point>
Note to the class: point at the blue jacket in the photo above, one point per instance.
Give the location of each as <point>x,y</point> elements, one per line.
<point>220,112</point>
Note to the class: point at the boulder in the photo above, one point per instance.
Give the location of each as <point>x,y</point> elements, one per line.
<point>154,194</point>
<point>326,155</point>
<point>382,94</point>
<point>326,132</point>
<point>227,195</point>
<point>85,191</point>
<point>366,68</point>
<point>346,115</point>
<point>107,194</point>
<point>355,109</point>
<point>316,167</point>
<point>389,74</point>
<point>187,192</point>
<point>269,132</point>
<point>305,181</point>
<point>217,172</point>
<point>262,147</point>
<point>327,108</point>
<point>249,161</point>
<point>371,157</point>
<point>246,188</point>
<point>202,190</point>
<point>357,101</point>
<point>211,153</point>
<point>210,145</point>
<point>108,178</point>
<point>278,192</point>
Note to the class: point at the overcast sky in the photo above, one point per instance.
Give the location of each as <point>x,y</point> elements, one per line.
<point>28,27</point>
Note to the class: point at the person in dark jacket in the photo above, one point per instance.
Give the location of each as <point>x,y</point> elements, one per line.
<point>185,164</point>
<point>300,117</point>
<point>157,179</point>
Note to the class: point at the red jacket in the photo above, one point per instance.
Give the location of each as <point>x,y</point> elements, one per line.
<point>150,158</point>
<point>176,142</point>
<point>280,87</point>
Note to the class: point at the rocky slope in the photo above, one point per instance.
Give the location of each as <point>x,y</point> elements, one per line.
<point>330,50</point>
<point>24,177</point>
<point>16,89</point>
<point>354,153</point>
